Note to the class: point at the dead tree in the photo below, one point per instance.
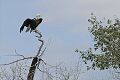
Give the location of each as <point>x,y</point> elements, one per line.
<point>37,59</point>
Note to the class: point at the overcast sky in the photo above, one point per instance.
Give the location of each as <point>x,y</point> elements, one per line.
<point>64,25</point>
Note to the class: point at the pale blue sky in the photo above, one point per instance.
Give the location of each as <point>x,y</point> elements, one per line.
<point>64,24</point>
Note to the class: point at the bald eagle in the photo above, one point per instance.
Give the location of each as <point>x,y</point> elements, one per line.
<point>31,24</point>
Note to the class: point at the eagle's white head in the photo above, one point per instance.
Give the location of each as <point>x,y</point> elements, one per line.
<point>37,16</point>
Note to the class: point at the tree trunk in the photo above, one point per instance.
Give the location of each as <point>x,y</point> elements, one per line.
<point>35,60</point>
<point>32,69</point>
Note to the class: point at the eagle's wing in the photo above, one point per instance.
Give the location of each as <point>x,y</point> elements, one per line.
<point>21,29</point>
<point>25,23</point>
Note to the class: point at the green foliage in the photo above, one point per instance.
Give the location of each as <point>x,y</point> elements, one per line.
<point>107,39</point>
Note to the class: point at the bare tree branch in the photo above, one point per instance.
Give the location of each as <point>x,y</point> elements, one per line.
<point>40,48</point>
<point>19,54</point>
<point>17,61</point>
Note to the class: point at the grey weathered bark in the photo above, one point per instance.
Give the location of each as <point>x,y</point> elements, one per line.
<point>32,69</point>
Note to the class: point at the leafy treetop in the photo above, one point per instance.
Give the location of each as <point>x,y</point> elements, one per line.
<point>107,39</point>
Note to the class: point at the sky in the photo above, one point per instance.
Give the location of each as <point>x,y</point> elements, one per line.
<point>64,27</point>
